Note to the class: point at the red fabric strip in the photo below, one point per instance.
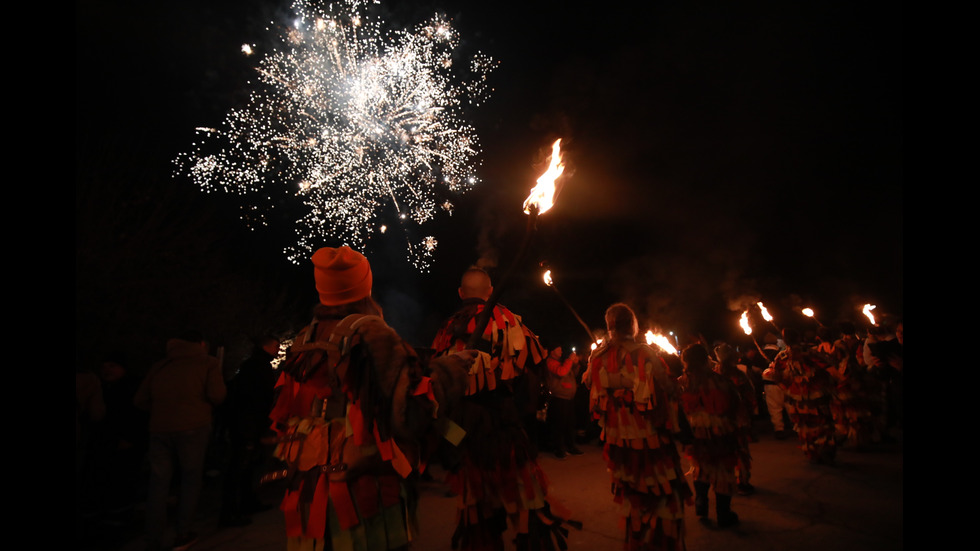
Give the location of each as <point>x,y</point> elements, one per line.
<point>365,489</point>
<point>317,525</point>
<point>343,505</point>
<point>290,509</point>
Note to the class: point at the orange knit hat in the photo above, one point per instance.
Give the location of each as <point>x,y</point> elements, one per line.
<point>342,275</point>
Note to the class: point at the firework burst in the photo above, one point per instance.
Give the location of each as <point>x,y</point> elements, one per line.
<point>358,127</point>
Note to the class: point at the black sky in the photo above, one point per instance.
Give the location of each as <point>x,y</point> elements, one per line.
<point>716,152</point>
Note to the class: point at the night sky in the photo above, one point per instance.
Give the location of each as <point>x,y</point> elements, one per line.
<point>717,154</point>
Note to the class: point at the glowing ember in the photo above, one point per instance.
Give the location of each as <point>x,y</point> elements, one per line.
<point>543,194</point>
<point>744,322</point>
<point>808,312</point>
<point>765,313</point>
<point>547,279</point>
<point>662,341</point>
<point>867,312</point>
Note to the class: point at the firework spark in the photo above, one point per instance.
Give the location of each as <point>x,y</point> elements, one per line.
<point>355,124</point>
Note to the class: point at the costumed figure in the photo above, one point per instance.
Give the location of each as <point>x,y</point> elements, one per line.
<point>809,388</point>
<point>634,402</point>
<point>355,418</point>
<point>728,368</point>
<point>496,477</point>
<point>852,408</point>
<point>711,404</point>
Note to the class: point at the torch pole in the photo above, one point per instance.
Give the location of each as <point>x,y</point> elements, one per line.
<point>484,317</point>
<point>574,313</point>
<point>759,348</point>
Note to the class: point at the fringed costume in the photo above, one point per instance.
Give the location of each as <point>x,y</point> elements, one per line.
<point>852,407</point>
<point>743,421</point>
<point>355,419</point>
<point>810,389</point>
<point>711,404</point>
<point>632,399</point>
<point>496,477</point>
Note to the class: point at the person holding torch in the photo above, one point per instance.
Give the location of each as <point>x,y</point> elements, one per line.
<point>496,476</point>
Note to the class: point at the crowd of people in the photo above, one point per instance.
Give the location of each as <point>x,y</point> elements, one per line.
<point>348,424</point>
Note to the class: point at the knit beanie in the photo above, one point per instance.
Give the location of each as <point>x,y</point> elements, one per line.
<point>342,275</point>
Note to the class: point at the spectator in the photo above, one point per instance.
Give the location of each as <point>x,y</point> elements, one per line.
<point>774,393</point>
<point>180,392</point>
<point>562,384</point>
<point>250,399</point>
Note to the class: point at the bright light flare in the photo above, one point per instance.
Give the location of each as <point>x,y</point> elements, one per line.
<point>662,341</point>
<point>596,344</point>
<point>543,194</point>
<point>744,322</point>
<point>547,279</point>
<point>281,354</point>
<point>765,313</point>
<point>867,312</point>
<point>808,312</point>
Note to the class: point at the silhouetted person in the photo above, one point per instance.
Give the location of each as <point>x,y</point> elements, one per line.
<point>246,416</point>
<point>180,392</point>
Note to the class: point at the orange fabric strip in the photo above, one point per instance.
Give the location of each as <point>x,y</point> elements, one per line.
<point>399,461</point>
<point>424,387</point>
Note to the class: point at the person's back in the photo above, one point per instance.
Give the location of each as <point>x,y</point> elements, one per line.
<point>182,390</point>
<point>353,415</point>
<point>496,474</point>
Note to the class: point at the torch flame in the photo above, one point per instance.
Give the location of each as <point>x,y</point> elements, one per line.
<point>661,341</point>
<point>867,312</point>
<point>596,344</point>
<point>808,312</point>
<point>744,322</point>
<point>547,279</point>
<point>765,313</point>
<point>543,194</point>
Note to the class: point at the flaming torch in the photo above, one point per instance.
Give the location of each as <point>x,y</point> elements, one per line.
<point>542,196</point>
<point>744,322</point>
<point>808,312</point>
<point>661,341</point>
<point>867,312</point>
<point>550,283</point>
<point>541,199</point>
<point>766,316</point>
